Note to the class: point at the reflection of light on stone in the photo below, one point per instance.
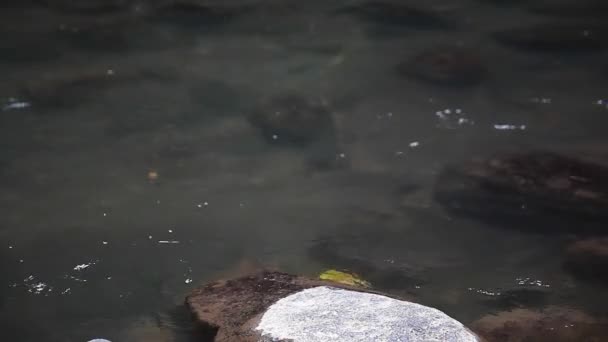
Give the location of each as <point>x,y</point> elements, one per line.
<point>414,144</point>
<point>188,281</point>
<point>168,241</point>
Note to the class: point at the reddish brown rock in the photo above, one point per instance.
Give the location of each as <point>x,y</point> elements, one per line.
<point>553,324</point>
<point>588,259</point>
<point>230,309</point>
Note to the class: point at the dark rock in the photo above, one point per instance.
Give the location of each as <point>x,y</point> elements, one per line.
<point>536,191</point>
<point>23,48</point>
<point>78,86</point>
<point>194,14</point>
<point>96,37</point>
<point>579,8</point>
<point>568,38</point>
<point>588,259</point>
<point>451,66</point>
<point>553,324</point>
<point>92,7</point>
<point>396,14</point>
<point>293,120</point>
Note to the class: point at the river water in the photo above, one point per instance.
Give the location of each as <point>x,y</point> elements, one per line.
<point>131,172</point>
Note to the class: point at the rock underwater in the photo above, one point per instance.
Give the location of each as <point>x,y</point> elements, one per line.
<point>536,191</point>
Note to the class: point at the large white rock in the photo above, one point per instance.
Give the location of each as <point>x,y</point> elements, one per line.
<point>331,314</point>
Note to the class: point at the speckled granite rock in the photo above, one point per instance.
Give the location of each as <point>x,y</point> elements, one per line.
<point>274,306</point>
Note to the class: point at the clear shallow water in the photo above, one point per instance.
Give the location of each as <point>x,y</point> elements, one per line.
<point>91,104</point>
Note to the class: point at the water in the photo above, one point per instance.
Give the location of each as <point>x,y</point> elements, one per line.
<point>131,173</point>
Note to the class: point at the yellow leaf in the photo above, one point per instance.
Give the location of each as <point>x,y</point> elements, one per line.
<point>344,278</point>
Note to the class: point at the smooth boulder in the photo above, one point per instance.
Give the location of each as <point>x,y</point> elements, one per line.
<point>274,306</point>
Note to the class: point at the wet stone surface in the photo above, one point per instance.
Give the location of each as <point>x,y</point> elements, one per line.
<point>547,190</point>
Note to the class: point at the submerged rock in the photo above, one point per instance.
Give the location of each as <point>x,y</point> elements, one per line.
<point>553,324</point>
<point>570,8</point>
<point>588,259</point>
<point>396,14</point>
<point>93,7</point>
<point>530,191</point>
<point>77,86</point>
<point>293,120</point>
<point>273,306</point>
<point>193,14</point>
<point>451,66</point>
<point>555,38</point>
<point>95,36</point>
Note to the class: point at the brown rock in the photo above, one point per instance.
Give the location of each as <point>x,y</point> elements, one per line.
<point>588,259</point>
<point>551,191</point>
<point>553,324</point>
<point>230,309</point>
